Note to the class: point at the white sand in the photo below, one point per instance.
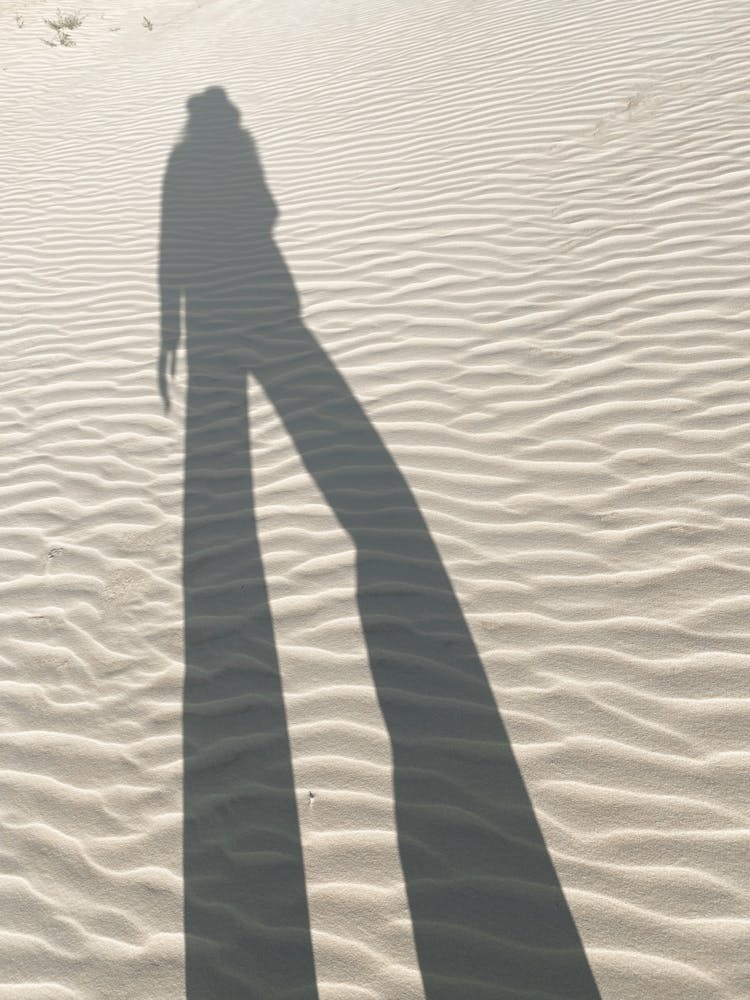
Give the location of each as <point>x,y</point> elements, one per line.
<point>522,232</point>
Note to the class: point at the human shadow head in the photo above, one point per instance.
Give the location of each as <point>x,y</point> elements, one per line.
<point>211,111</point>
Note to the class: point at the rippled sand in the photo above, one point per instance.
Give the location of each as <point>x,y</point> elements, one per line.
<point>522,233</point>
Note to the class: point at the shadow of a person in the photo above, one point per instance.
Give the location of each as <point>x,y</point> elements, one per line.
<point>489,917</point>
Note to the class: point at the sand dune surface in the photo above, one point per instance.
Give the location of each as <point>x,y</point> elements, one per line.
<point>520,235</point>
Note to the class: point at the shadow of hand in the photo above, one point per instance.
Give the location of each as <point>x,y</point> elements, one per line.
<point>166,368</point>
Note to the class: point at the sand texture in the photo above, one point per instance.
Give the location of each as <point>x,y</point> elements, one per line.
<point>404,655</point>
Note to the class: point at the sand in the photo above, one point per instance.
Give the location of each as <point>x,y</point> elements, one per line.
<point>519,234</point>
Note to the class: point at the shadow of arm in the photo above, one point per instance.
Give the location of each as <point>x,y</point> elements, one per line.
<point>170,284</point>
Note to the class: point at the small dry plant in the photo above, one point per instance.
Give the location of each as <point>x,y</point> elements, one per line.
<point>147,24</point>
<point>62,25</point>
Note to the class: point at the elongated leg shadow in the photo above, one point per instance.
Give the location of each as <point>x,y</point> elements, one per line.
<point>490,919</point>
<point>246,917</point>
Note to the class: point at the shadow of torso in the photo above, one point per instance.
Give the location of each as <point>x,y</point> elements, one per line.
<point>238,291</point>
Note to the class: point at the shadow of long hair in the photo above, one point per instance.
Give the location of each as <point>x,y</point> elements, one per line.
<point>489,917</point>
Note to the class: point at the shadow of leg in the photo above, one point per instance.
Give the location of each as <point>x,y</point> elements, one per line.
<point>246,917</point>
<point>490,919</point>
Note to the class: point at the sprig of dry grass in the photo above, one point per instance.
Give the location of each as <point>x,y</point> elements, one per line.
<point>64,22</point>
<point>62,25</point>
